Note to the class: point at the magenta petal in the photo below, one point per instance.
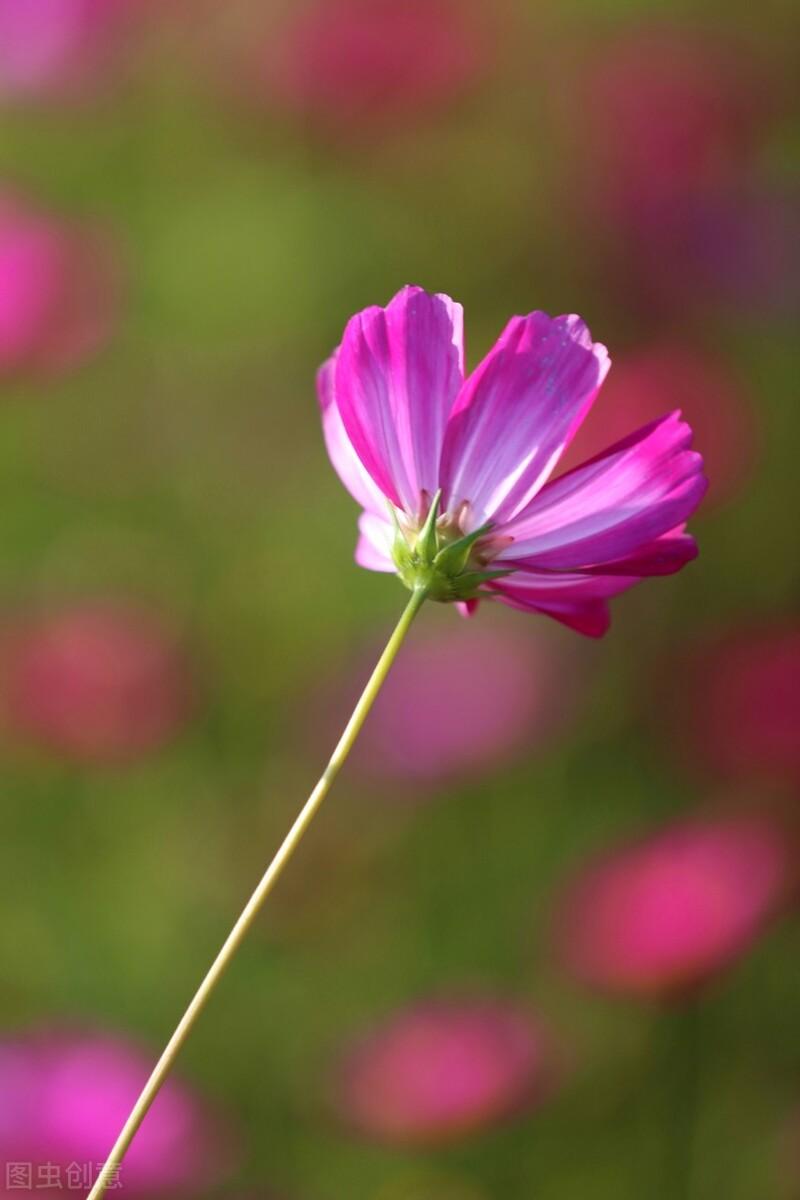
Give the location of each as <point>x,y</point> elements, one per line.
<point>577,600</point>
<point>374,548</point>
<point>346,463</point>
<point>589,617</point>
<point>613,506</point>
<point>663,556</point>
<point>517,412</point>
<point>397,374</point>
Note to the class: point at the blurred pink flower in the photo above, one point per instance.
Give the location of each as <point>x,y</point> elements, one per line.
<point>462,699</point>
<point>48,46</point>
<point>401,422</point>
<point>63,1100</point>
<point>736,249</point>
<point>647,381</point>
<point>739,709</point>
<point>665,108</point>
<point>443,1070</point>
<point>95,682</point>
<point>665,915</point>
<point>357,63</point>
<point>57,291</point>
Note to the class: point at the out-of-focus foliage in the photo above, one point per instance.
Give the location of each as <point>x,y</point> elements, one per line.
<point>207,192</point>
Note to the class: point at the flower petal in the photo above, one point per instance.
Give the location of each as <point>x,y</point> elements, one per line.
<point>467,608</point>
<point>397,374</point>
<point>663,556</point>
<point>517,413</point>
<point>614,507</point>
<point>346,463</point>
<point>579,601</point>
<point>374,546</point>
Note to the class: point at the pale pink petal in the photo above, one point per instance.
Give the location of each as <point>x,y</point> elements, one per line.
<point>614,506</point>
<point>517,412</point>
<point>467,608</point>
<point>374,548</point>
<point>397,374</point>
<point>346,463</point>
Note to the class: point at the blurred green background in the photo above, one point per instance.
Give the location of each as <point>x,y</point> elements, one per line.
<point>180,469</point>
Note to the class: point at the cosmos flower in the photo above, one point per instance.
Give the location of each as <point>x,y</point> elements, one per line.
<point>665,915</point>
<point>63,1096</point>
<point>443,1069</point>
<point>354,64</point>
<point>96,682</point>
<point>455,474</point>
<point>57,290</point>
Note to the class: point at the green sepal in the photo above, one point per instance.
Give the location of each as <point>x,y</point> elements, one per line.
<point>442,571</point>
<point>398,529</point>
<point>453,559</point>
<point>427,539</point>
<point>470,581</point>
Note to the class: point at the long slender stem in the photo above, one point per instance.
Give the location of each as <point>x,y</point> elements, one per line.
<point>251,910</point>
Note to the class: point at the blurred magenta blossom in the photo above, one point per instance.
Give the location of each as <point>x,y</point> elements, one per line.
<point>743,712</point>
<point>660,917</point>
<point>49,46</point>
<point>665,109</point>
<point>401,422</point>
<point>95,682</point>
<point>461,699</point>
<point>352,64</point>
<point>646,381</point>
<point>58,290</point>
<point>736,249</point>
<point>444,1069</point>
<point>63,1097</point>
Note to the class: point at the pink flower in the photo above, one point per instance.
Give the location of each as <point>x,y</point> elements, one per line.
<point>95,683</point>
<point>459,700</point>
<point>63,1100</point>
<point>366,62</point>
<point>443,1070</point>
<point>57,291</point>
<point>646,381</point>
<point>402,425</point>
<point>52,45</point>
<point>664,109</point>
<point>736,249</point>
<point>663,916</point>
<point>743,715</point>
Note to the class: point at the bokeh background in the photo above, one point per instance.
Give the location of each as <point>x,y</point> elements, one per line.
<point>540,943</point>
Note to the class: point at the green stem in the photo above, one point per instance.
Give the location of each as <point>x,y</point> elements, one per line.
<point>253,906</point>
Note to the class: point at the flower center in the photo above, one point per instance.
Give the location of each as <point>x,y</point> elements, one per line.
<point>437,557</point>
